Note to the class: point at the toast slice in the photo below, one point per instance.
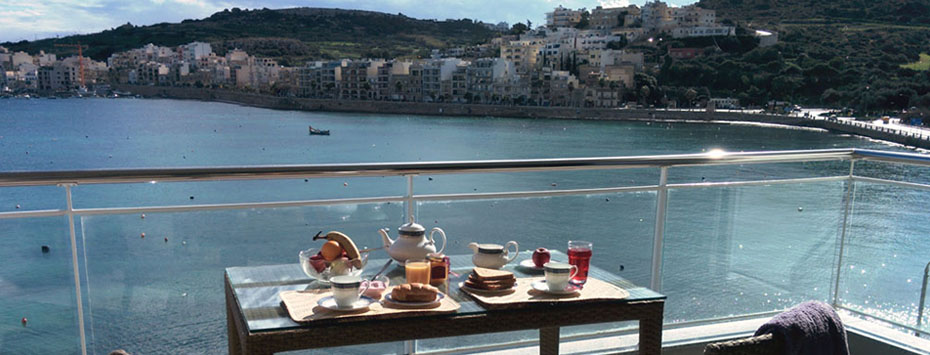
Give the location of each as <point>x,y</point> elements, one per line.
<point>489,287</point>
<point>484,274</point>
<point>507,283</point>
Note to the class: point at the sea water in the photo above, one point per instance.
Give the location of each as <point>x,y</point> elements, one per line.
<point>727,251</point>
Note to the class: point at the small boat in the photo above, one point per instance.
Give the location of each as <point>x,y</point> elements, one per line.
<point>318,131</point>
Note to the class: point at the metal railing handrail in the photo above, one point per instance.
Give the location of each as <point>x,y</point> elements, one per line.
<point>106,176</point>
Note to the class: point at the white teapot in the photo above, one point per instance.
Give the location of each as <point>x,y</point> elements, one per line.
<point>411,243</point>
<point>492,256</point>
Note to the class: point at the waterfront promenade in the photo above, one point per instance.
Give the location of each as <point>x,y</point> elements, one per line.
<point>897,133</point>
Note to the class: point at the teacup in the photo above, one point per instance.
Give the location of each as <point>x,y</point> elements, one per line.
<point>558,274</point>
<point>346,290</point>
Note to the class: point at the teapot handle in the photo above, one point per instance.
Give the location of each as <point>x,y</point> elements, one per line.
<point>441,233</point>
<point>516,250</point>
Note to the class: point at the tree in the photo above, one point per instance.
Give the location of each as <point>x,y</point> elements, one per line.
<point>690,94</point>
<point>584,20</point>
<point>519,28</point>
<point>619,44</point>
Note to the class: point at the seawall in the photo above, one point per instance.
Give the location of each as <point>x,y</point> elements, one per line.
<point>452,109</point>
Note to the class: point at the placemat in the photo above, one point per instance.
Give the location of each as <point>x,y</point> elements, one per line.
<point>524,294</point>
<point>302,306</point>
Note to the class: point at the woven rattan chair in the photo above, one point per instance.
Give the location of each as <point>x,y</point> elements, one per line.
<point>765,344</point>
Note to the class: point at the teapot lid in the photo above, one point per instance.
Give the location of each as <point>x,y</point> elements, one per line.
<point>412,229</point>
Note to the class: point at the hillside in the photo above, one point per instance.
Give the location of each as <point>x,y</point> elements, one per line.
<point>290,35</point>
<point>847,53</point>
<point>903,12</point>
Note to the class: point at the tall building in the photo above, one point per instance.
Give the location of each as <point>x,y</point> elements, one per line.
<point>562,17</point>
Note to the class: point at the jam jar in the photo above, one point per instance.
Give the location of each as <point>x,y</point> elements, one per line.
<point>439,268</point>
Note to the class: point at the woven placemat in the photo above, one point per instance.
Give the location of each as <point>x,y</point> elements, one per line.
<point>524,294</point>
<point>302,306</point>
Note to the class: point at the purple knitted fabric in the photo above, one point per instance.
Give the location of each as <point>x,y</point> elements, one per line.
<point>809,328</point>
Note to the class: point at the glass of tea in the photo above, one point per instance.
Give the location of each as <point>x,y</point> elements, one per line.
<point>579,254</point>
<point>417,271</point>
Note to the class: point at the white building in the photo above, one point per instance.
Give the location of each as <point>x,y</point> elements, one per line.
<point>45,59</point>
<point>192,52</point>
<point>701,31</point>
<point>19,58</point>
<point>608,57</point>
<point>562,17</point>
<point>766,38</point>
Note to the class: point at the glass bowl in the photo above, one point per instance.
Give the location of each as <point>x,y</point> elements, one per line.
<point>322,270</point>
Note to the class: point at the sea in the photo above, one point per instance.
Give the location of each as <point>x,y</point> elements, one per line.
<point>727,251</point>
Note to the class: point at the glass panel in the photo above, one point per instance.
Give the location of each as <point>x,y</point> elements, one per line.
<point>39,286</point>
<point>158,295</point>
<point>210,192</point>
<point>893,171</point>
<point>885,252</point>
<point>534,181</point>
<point>750,172</point>
<point>621,226</point>
<point>31,198</point>
<point>737,251</point>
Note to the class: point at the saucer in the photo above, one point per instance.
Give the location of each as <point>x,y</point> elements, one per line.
<point>530,265</point>
<point>329,302</point>
<point>391,300</point>
<point>540,285</point>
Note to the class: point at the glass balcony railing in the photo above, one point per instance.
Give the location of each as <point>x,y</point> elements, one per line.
<point>133,259</point>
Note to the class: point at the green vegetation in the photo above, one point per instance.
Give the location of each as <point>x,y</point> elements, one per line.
<point>920,65</point>
<point>290,35</point>
<point>848,53</point>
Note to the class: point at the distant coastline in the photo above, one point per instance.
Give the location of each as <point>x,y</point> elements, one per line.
<point>531,112</point>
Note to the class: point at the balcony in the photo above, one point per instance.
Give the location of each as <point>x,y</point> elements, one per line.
<point>731,238</point>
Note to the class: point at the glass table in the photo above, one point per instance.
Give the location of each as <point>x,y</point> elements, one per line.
<point>257,323</point>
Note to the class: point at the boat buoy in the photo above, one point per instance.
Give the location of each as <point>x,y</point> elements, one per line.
<point>800,209</point>
<point>18,206</point>
<point>143,216</point>
<point>192,197</point>
<point>554,184</point>
<point>184,242</point>
<point>142,235</point>
<point>24,321</point>
<point>345,184</point>
<point>166,239</point>
<point>45,249</point>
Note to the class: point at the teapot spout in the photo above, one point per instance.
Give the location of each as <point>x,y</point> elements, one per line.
<point>385,238</point>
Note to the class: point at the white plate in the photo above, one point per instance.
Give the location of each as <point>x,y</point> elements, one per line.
<point>329,302</point>
<point>529,264</point>
<point>439,297</point>
<point>540,285</point>
<point>488,292</point>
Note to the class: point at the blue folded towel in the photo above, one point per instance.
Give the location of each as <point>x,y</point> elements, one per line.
<point>809,328</point>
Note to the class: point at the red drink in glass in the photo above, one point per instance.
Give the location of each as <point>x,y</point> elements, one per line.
<point>579,254</point>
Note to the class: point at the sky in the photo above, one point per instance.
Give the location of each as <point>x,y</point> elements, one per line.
<point>37,19</point>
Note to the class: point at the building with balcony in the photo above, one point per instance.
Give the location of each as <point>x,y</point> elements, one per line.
<point>562,17</point>
<point>605,19</point>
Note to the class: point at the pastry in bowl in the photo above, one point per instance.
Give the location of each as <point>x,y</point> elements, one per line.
<point>414,292</point>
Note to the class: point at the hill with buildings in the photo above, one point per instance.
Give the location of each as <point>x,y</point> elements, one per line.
<point>288,35</point>
<point>850,53</point>
<point>907,12</point>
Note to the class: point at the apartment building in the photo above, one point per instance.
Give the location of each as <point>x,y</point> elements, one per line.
<point>562,17</point>
<point>608,18</point>
<point>522,53</point>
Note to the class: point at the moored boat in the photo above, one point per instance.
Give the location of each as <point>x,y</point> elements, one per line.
<point>314,131</point>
